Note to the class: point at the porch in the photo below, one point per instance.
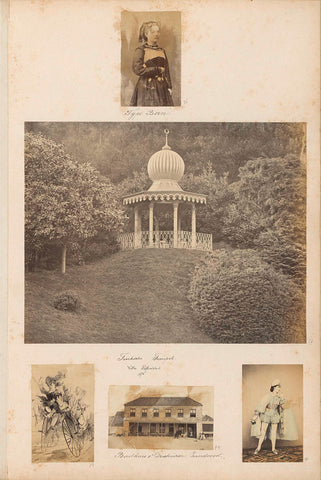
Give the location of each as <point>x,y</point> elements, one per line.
<point>188,430</point>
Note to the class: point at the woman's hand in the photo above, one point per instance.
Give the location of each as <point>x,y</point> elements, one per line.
<point>170,91</point>
<point>161,69</point>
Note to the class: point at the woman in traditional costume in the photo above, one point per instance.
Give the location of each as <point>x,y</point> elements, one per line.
<point>272,419</point>
<point>150,63</point>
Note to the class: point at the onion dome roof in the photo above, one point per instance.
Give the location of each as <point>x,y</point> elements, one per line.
<point>165,168</point>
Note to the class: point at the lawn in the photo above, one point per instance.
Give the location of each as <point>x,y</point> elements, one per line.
<point>135,296</point>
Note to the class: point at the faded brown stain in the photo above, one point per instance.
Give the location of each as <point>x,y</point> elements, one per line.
<point>11,421</point>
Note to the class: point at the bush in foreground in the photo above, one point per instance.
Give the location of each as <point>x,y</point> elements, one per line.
<point>67,301</point>
<point>239,298</point>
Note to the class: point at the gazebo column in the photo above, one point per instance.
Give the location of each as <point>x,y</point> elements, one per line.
<point>193,225</point>
<point>179,227</point>
<point>137,231</point>
<point>151,223</point>
<point>175,223</point>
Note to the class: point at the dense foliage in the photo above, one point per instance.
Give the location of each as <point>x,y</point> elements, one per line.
<point>239,298</point>
<point>268,211</point>
<point>255,291</point>
<point>117,149</point>
<point>210,217</point>
<point>66,203</point>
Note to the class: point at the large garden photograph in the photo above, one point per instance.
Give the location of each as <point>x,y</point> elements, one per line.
<point>165,232</point>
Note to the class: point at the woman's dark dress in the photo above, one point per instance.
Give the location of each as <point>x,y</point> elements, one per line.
<point>152,87</point>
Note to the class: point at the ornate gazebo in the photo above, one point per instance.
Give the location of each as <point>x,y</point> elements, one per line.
<point>165,168</point>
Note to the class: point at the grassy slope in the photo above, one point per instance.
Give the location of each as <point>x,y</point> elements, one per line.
<point>131,297</point>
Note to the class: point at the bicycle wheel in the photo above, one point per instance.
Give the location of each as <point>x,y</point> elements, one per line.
<point>71,438</point>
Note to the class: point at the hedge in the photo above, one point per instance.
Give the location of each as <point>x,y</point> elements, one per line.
<point>239,298</point>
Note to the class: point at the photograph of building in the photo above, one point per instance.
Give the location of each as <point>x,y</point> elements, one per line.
<point>163,420</point>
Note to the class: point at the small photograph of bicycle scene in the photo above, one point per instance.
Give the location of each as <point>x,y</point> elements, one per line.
<point>160,417</point>
<point>62,413</point>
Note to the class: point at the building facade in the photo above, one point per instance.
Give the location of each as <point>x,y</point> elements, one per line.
<point>165,416</point>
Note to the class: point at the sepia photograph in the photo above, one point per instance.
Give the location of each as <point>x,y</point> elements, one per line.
<point>62,413</point>
<point>161,240</point>
<point>150,59</point>
<point>165,233</point>
<point>272,413</point>
<point>160,417</point>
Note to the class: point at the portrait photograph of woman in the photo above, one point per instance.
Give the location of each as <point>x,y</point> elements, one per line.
<point>272,413</point>
<point>150,59</point>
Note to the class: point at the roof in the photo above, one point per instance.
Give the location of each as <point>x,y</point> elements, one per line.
<point>164,196</point>
<point>110,420</point>
<point>118,419</point>
<point>207,418</point>
<point>164,402</point>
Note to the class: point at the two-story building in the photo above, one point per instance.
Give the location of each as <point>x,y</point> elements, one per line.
<point>165,416</point>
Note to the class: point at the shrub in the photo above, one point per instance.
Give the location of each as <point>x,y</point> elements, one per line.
<point>289,257</point>
<point>100,248</point>
<point>67,301</point>
<point>239,298</point>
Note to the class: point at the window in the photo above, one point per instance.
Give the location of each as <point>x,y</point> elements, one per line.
<point>144,412</point>
<point>168,412</point>
<point>156,412</point>
<point>132,412</point>
<point>162,428</point>
<point>180,412</point>
<point>193,412</point>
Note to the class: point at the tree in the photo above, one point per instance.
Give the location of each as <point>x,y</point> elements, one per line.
<point>118,149</point>
<point>268,212</point>
<point>65,202</point>
<point>210,217</point>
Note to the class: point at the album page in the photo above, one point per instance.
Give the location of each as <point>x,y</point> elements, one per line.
<point>163,240</point>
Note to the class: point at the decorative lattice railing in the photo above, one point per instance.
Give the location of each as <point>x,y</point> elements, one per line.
<point>126,241</point>
<point>204,241</point>
<point>165,239</point>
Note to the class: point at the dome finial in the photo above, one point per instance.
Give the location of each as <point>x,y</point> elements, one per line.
<point>166,146</point>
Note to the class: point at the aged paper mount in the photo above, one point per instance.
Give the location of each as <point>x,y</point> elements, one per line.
<point>242,61</point>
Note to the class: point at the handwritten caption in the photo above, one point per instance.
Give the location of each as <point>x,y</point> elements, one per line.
<point>141,366</point>
<point>157,454</point>
<point>134,114</point>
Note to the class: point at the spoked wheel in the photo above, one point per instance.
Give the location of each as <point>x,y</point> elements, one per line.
<point>74,442</point>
